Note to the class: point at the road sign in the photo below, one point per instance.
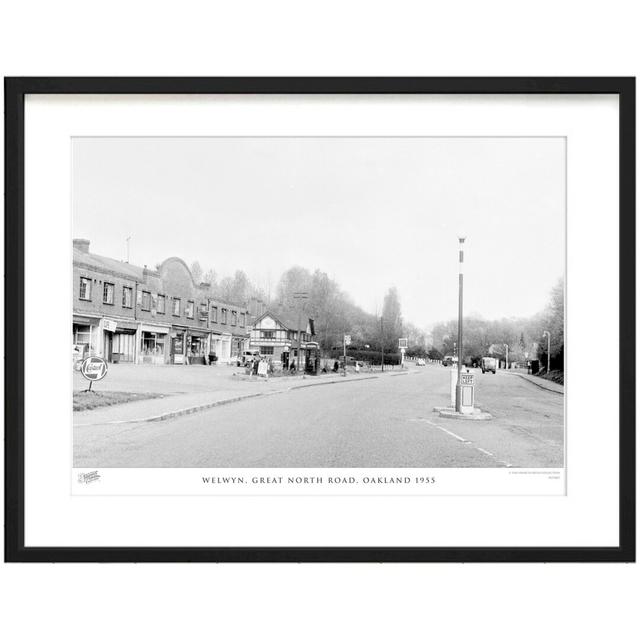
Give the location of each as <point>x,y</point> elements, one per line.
<point>467,378</point>
<point>94,368</point>
<point>402,343</point>
<point>347,340</point>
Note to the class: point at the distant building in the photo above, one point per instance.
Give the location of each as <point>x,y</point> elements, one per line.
<point>127,313</point>
<point>279,333</point>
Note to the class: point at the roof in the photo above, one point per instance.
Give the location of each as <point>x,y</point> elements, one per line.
<point>108,264</point>
<point>290,318</point>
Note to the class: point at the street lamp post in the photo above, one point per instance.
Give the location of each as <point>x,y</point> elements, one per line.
<point>460,348</point>
<point>506,362</point>
<point>548,335</point>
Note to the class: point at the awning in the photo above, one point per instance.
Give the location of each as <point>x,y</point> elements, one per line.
<point>85,320</point>
<point>121,325</point>
<point>198,334</point>
<point>154,329</point>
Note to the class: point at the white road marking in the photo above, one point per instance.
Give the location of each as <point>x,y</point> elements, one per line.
<point>465,441</point>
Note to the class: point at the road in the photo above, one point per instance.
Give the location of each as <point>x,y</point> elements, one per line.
<point>383,422</point>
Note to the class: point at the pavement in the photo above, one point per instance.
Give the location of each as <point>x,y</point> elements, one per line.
<point>187,390</point>
<point>373,421</point>
<point>548,385</point>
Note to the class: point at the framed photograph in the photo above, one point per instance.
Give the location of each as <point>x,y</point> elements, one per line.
<point>320,319</point>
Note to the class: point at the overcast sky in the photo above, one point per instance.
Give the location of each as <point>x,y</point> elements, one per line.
<point>371,212</point>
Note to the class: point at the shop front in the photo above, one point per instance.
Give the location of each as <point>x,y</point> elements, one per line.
<point>220,346</point>
<point>178,338</point>
<point>119,340</point>
<point>85,336</point>
<point>197,342</point>
<point>154,343</point>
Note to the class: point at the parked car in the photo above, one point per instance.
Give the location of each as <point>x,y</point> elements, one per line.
<point>247,358</point>
<point>489,364</point>
<point>420,362</point>
<point>449,361</point>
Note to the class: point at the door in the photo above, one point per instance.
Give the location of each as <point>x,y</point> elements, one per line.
<point>108,346</point>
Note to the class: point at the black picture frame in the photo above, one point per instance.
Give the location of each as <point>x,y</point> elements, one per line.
<point>15,91</point>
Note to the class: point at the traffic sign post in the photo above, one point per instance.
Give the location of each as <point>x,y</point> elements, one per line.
<point>93,369</point>
<point>345,342</point>
<point>402,345</point>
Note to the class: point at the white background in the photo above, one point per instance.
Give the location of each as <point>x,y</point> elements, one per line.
<point>401,38</point>
<point>587,516</point>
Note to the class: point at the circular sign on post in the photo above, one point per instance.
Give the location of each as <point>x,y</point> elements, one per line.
<point>94,368</point>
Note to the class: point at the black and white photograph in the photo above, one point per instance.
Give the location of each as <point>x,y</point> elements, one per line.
<point>315,320</point>
<point>318,302</point>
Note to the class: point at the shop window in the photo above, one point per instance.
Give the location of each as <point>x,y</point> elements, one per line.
<point>214,314</point>
<point>223,316</point>
<point>196,348</point>
<point>127,297</point>
<point>161,303</point>
<point>176,306</point>
<point>85,289</point>
<point>82,337</point>
<point>234,318</point>
<point>146,301</point>
<point>108,290</point>
<point>266,351</point>
<point>189,309</point>
<point>152,344</point>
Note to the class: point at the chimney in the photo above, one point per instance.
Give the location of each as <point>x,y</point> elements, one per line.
<point>81,245</point>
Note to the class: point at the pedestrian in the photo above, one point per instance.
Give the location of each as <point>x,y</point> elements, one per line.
<point>336,366</point>
<point>357,366</point>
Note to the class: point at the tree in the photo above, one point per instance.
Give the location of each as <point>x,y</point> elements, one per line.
<point>391,319</point>
<point>553,322</point>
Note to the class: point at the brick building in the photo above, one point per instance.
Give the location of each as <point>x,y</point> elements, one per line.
<point>127,313</point>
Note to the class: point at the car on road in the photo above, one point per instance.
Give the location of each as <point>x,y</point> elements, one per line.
<point>421,362</point>
<point>489,364</point>
<point>449,361</point>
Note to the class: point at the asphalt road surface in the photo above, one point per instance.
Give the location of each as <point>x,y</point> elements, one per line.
<point>383,422</point>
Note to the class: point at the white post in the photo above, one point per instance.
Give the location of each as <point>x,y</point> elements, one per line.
<point>546,333</point>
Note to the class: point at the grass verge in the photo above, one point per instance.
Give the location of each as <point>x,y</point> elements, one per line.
<point>85,401</point>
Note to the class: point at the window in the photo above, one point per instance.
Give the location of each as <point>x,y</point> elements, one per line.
<point>214,314</point>
<point>176,306</point>
<point>267,335</point>
<point>203,311</point>
<point>234,318</point>
<point>146,301</point>
<point>223,316</point>
<point>108,291</point>
<point>152,344</point>
<point>161,303</point>
<point>85,289</point>
<point>189,310</point>
<point>127,297</point>
<point>266,351</point>
<point>242,319</point>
